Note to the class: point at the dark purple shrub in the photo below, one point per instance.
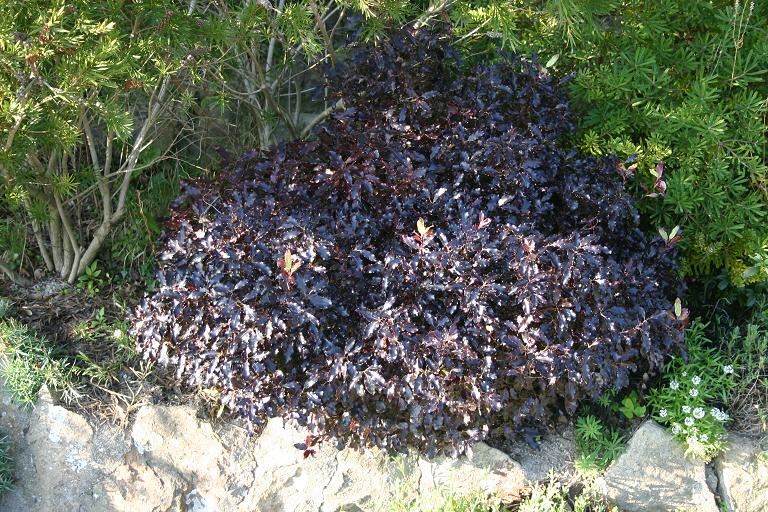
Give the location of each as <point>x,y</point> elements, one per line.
<point>432,269</point>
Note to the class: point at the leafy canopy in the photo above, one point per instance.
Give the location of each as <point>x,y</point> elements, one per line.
<point>432,269</point>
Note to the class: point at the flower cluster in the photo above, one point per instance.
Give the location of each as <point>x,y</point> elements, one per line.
<point>431,269</point>
<point>684,403</point>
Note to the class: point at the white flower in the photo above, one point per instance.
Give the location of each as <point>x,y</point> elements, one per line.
<point>686,409</point>
<point>674,385</point>
<point>696,380</point>
<point>719,415</point>
<point>703,438</point>
<point>698,413</point>
<point>689,421</point>
<point>118,333</point>
<point>728,369</point>
<point>694,392</point>
<point>684,374</point>
<point>676,429</point>
<point>663,413</point>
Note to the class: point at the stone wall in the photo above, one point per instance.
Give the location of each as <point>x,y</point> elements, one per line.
<point>170,460</point>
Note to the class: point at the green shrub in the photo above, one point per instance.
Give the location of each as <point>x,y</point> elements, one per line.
<point>689,91</point>
<point>86,88</point>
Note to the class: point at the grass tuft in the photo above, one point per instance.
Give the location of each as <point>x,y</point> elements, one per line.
<point>29,362</point>
<point>6,473</point>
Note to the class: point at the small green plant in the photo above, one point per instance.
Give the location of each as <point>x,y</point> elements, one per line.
<point>631,408</point>
<point>598,446</point>
<point>408,498</point>
<point>91,280</point>
<point>747,348</point>
<point>687,402</point>
<point>6,469</point>
<point>554,497</point>
<point>589,428</point>
<point>29,362</point>
<point>606,399</point>
<point>111,337</point>
<point>6,306</point>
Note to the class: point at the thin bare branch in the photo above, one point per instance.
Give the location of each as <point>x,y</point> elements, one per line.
<point>15,277</point>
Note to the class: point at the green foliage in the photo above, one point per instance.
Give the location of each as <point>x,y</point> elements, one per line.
<point>630,407</point>
<point>449,503</point>
<point>747,348</point>
<point>6,467</point>
<point>91,281</point>
<point>676,84</point>
<point>6,306</point>
<point>598,445</point>
<point>694,388</point>
<point>83,86</point>
<point>111,335</point>
<point>12,242</point>
<point>29,362</point>
<point>407,496</point>
<point>554,497</point>
<point>551,497</point>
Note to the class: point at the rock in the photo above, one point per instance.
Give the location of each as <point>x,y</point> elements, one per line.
<point>178,458</point>
<point>58,462</point>
<point>711,477</point>
<point>171,461</point>
<point>332,480</point>
<point>177,462</point>
<point>556,453</point>
<point>743,475</point>
<point>653,474</point>
<point>486,469</point>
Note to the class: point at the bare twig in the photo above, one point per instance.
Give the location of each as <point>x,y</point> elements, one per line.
<point>339,105</point>
<point>15,277</point>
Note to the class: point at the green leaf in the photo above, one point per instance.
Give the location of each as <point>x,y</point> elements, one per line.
<point>552,60</point>
<point>750,272</point>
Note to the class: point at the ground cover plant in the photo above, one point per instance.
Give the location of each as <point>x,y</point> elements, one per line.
<point>695,391</point>
<point>431,269</point>
<point>28,362</point>
<point>747,348</point>
<point>598,444</point>
<point>81,353</point>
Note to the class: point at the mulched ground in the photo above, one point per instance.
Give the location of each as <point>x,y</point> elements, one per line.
<point>54,310</point>
<point>51,307</point>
